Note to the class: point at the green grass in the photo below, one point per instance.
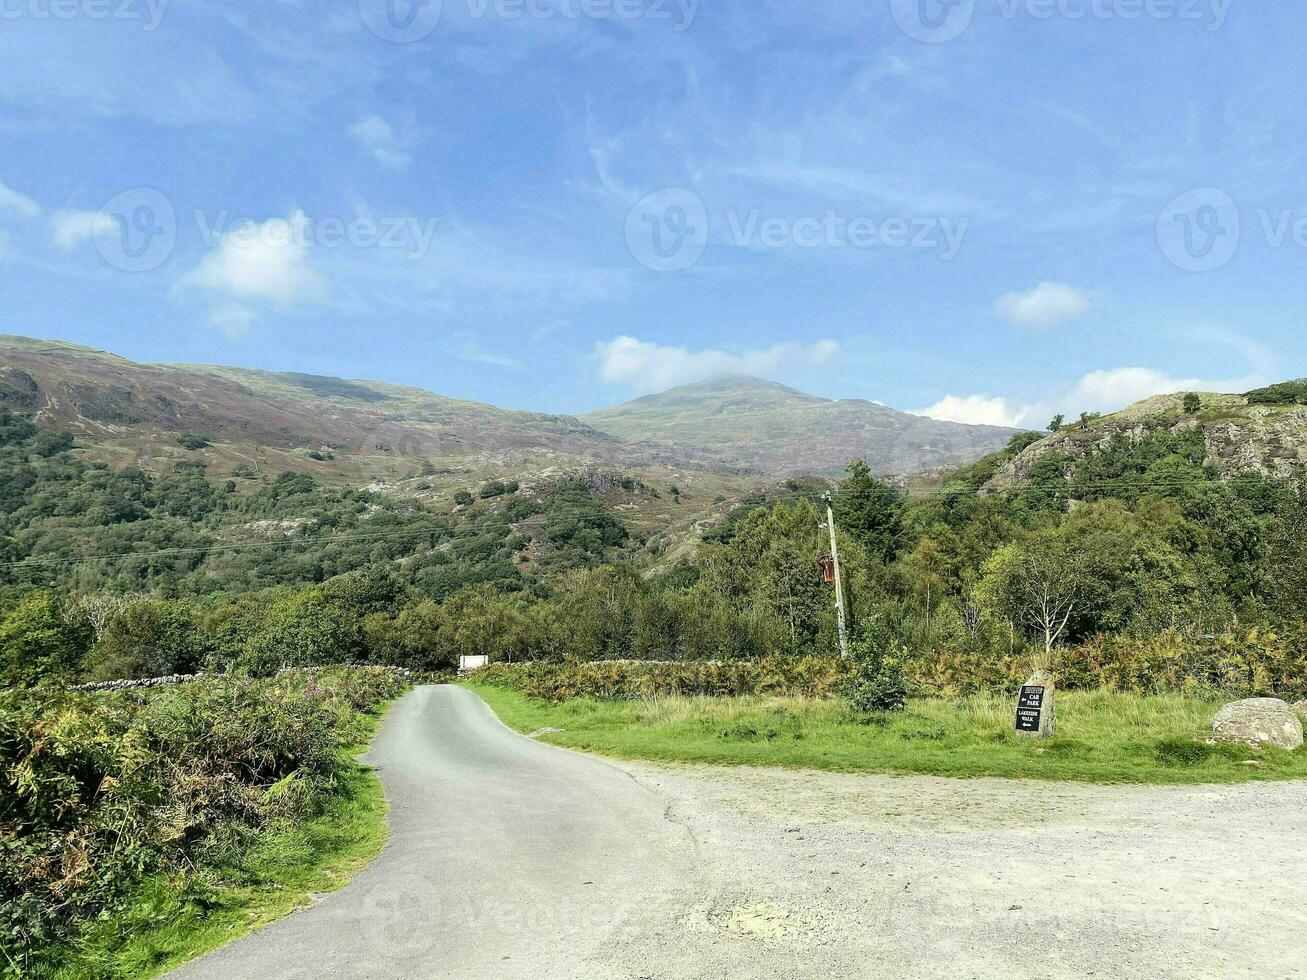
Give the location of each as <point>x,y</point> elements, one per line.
<point>167,922</point>
<point>1102,737</point>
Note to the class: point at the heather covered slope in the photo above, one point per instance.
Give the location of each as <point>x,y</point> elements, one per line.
<point>356,431</point>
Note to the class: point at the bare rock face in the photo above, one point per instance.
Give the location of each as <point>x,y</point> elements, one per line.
<point>1259,721</point>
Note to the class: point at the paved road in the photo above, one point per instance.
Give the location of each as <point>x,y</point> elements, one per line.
<point>506,858</point>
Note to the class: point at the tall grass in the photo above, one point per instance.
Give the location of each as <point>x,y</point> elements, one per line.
<point>1101,736</point>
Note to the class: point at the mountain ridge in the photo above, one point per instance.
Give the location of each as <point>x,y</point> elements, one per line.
<point>776,429</point>
<point>134,413</point>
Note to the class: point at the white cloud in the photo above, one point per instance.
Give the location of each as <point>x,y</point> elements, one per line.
<point>651,367</point>
<point>71,228</point>
<point>975,410</point>
<point>378,137</point>
<point>268,262</point>
<point>12,202</point>
<point>1098,391</point>
<point>1046,305</point>
<point>233,320</point>
<point>1110,391</point>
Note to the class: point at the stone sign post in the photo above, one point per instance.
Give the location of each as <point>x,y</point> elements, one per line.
<point>1035,706</point>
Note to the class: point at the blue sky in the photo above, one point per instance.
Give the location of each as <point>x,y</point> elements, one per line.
<point>986,209</point>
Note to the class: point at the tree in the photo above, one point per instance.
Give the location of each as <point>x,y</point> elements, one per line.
<point>1059,420</point>
<point>1039,589</point>
<point>1192,404</point>
<point>147,638</point>
<point>41,640</point>
<point>869,511</point>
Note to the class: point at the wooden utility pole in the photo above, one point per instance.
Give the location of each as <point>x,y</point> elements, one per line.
<point>839,578</point>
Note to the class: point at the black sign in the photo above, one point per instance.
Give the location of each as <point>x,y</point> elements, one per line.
<point>1029,709</point>
<point>1031,697</point>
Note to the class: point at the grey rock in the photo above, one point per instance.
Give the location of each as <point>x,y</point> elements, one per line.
<point>1259,721</point>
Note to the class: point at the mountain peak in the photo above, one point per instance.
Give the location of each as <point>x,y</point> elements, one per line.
<point>758,424</point>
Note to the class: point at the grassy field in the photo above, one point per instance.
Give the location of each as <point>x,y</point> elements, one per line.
<point>1102,737</point>
<point>167,924</point>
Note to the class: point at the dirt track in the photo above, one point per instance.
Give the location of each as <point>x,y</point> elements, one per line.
<point>818,874</point>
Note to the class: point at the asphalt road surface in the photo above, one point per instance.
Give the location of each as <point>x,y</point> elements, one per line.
<point>512,859</point>
<point>507,858</point>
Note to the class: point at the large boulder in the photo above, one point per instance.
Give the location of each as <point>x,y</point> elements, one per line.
<point>1259,721</point>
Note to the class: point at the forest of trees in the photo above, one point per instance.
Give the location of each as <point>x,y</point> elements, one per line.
<point>1136,566</point>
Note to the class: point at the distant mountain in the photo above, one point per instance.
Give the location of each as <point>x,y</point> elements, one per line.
<point>354,430</point>
<point>236,419</point>
<point>742,421</point>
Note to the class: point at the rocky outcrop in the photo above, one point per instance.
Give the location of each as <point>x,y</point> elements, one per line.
<point>1259,721</point>
<point>1238,437</point>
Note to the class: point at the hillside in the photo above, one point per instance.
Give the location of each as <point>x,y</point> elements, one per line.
<point>1262,432</point>
<point>351,431</point>
<point>766,426</point>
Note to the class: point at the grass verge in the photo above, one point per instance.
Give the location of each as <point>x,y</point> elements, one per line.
<point>169,921</point>
<point>1102,737</point>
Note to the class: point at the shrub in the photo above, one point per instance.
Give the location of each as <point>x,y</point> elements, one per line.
<point>99,791</point>
<point>1285,393</point>
<point>629,680</point>
<point>877,682</point>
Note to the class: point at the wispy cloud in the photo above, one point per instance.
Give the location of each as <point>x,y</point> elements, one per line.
<point>14,203</point>
<point>378,138</point>
<point>642,366</point>
<point>73,227</point>
<point>1047,304</point>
